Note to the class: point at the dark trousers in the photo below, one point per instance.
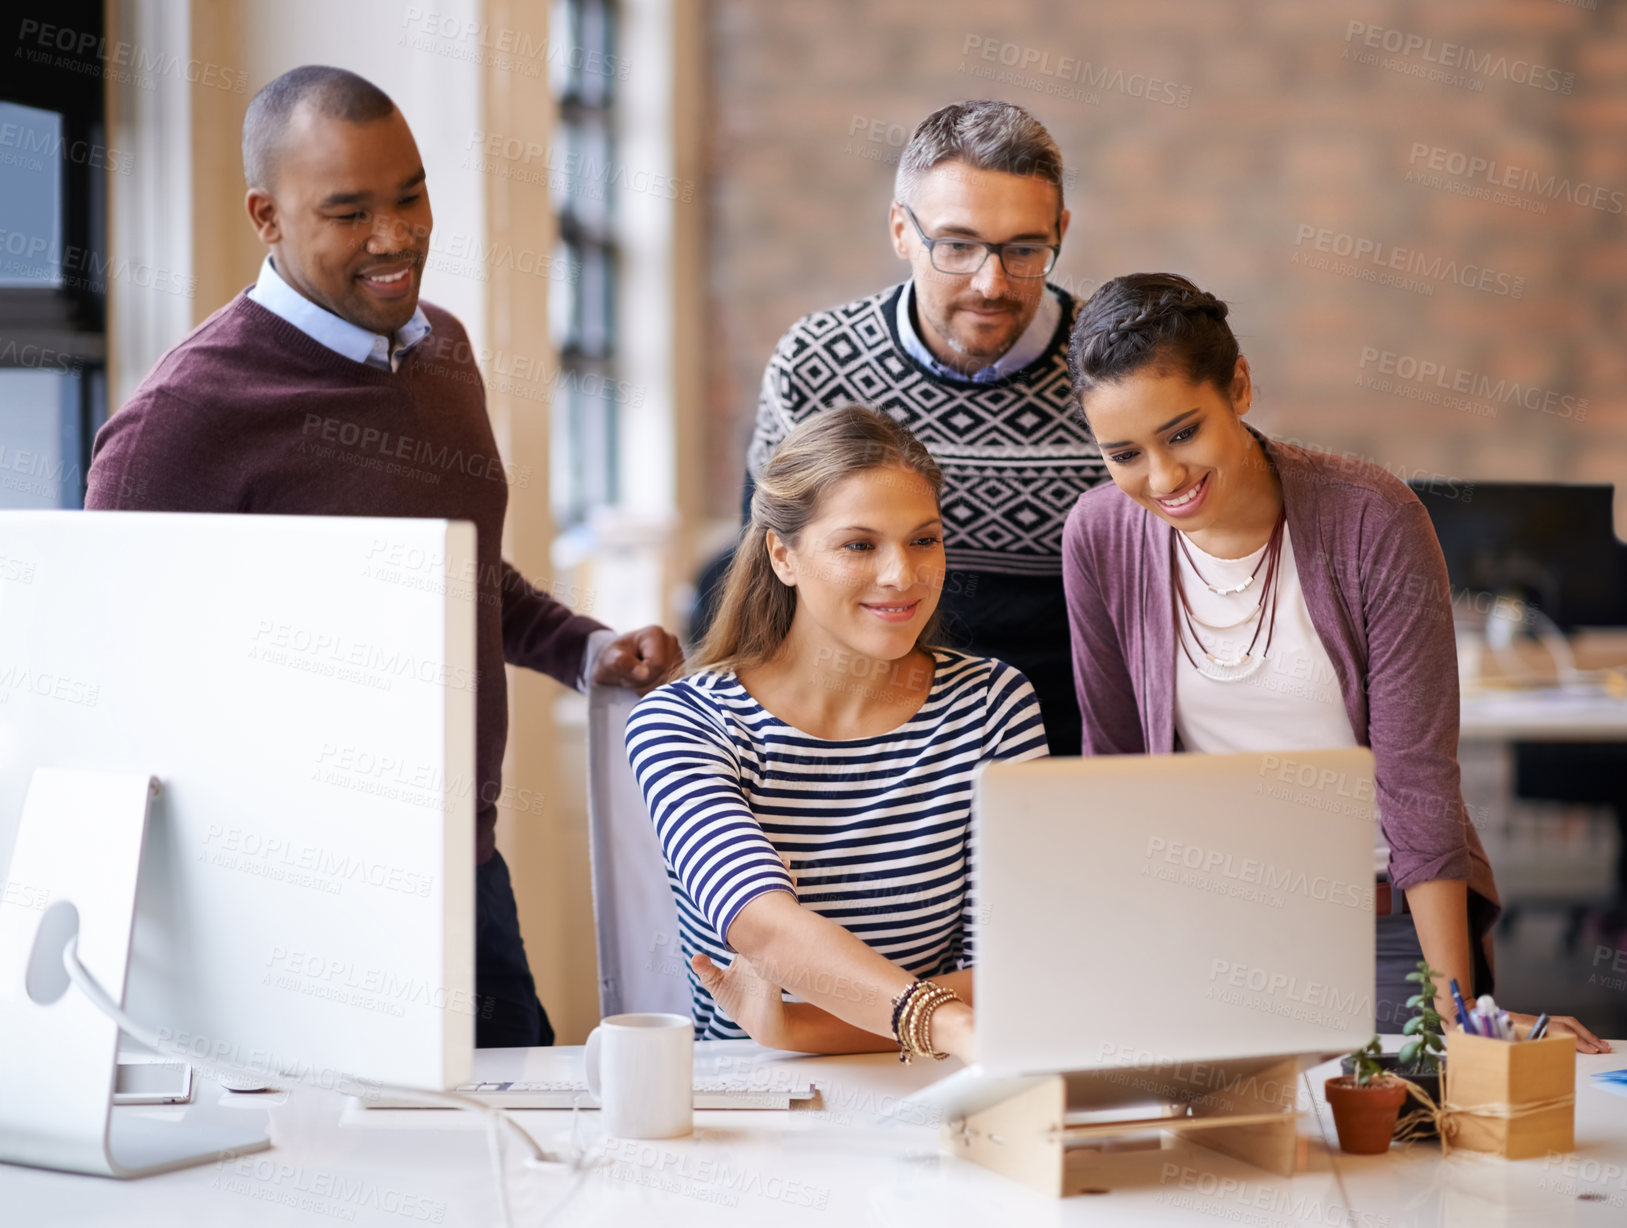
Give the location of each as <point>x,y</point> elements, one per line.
<point>508,1014</point>
<point>1398,953</point>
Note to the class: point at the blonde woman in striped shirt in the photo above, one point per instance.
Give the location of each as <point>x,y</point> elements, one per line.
<point>811,779</point>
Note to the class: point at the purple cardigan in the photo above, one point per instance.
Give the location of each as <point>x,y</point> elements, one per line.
<point>1375,584</point>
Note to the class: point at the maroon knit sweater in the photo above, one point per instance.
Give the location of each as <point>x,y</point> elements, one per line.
<point>248,414</point>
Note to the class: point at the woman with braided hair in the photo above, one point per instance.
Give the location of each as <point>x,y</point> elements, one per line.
<point>1229,593</point>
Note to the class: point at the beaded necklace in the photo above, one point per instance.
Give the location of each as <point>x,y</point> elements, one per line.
<point>1218,668</point>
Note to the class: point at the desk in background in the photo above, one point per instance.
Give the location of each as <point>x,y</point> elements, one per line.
<point>1548,743</point>
<point>1494,710</point>
<point>1541,715</point>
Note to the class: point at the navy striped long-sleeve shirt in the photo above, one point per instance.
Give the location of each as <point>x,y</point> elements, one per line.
<point>876,830</point>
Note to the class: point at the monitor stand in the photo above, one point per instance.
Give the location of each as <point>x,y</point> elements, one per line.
<point>73,876</point>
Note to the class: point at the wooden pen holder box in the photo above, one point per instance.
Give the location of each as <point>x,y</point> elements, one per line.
<point>1508,1078</point>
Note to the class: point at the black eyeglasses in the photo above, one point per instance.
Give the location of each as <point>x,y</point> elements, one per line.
<point>960,257</point>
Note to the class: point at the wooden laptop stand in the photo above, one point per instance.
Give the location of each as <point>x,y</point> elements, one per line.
<point>1052,1131</point>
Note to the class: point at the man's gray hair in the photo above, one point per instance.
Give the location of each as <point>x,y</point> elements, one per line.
<point>987,136</point>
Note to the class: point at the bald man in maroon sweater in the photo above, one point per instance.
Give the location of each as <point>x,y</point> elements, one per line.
<point>328,389</point>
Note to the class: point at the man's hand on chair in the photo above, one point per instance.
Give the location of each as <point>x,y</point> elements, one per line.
<point>641,660</point>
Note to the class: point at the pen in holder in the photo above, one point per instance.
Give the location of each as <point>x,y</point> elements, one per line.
<point>1514,1098</point>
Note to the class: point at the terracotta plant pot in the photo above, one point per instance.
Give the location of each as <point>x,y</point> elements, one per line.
<point>1365,1116</point>
<point>1428,1081</point>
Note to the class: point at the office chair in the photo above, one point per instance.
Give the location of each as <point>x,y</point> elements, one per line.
<point>635,920</point>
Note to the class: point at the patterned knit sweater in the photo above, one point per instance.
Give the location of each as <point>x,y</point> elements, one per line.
<point>1014,452</point>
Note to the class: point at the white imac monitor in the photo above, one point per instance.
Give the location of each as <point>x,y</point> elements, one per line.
<point>303,691</point>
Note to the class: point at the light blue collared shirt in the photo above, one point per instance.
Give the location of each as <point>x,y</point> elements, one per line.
<point>325,328</point>
<point>1027,347</point>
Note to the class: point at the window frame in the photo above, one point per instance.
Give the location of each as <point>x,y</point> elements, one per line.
<point>586,104</point>
<point>67,322</point>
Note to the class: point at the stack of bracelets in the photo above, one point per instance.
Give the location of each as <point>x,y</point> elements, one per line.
<point>912,1019</point>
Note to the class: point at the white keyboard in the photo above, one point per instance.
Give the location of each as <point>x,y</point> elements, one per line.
<point>735,1093</point>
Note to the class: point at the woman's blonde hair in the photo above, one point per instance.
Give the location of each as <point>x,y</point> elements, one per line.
<point>755,612</point>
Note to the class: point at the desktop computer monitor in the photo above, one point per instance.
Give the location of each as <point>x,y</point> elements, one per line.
<point>303,691</point>
<point>1551,544</point>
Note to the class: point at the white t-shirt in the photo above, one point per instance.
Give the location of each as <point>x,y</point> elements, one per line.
<point>1291,702</point>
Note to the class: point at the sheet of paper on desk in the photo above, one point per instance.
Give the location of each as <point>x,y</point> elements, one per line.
<point>1612,1081</point>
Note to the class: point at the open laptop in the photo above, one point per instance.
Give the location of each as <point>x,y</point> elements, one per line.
<point>1148,910</point>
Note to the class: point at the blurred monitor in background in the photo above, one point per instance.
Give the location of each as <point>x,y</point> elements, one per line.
<point>1552,545</point>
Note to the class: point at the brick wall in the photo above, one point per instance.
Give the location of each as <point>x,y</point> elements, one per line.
<point>1337,171</point>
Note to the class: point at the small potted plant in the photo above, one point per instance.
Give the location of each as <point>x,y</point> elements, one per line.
<point>1419,1060</point>
<point>1365,1102</point>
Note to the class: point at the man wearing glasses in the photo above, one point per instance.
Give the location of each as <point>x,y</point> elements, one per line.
<point>971,354</point>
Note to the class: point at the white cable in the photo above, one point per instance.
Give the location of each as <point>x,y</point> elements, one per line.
<point>1559,648</point>
<point>495,1117</point>
<point>1508,617</point>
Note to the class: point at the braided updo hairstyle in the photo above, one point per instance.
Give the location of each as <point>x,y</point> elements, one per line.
<point>1151,319</point>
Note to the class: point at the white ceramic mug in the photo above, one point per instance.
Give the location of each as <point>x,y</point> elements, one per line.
<point>641,1070</point>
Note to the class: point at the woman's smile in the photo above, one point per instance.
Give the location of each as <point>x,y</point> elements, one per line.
<point>1188,502</point>
<point>894,611</point>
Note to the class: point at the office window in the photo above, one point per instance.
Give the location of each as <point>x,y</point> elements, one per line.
<point>53,264</point>
<point>582,308</point>
<point>31,186</point>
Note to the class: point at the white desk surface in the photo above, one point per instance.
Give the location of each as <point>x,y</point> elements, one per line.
<point>334,1163</point>
<point>1543,715</point>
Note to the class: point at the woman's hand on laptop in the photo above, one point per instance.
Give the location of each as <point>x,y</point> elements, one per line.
<point>1586,1042</point>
